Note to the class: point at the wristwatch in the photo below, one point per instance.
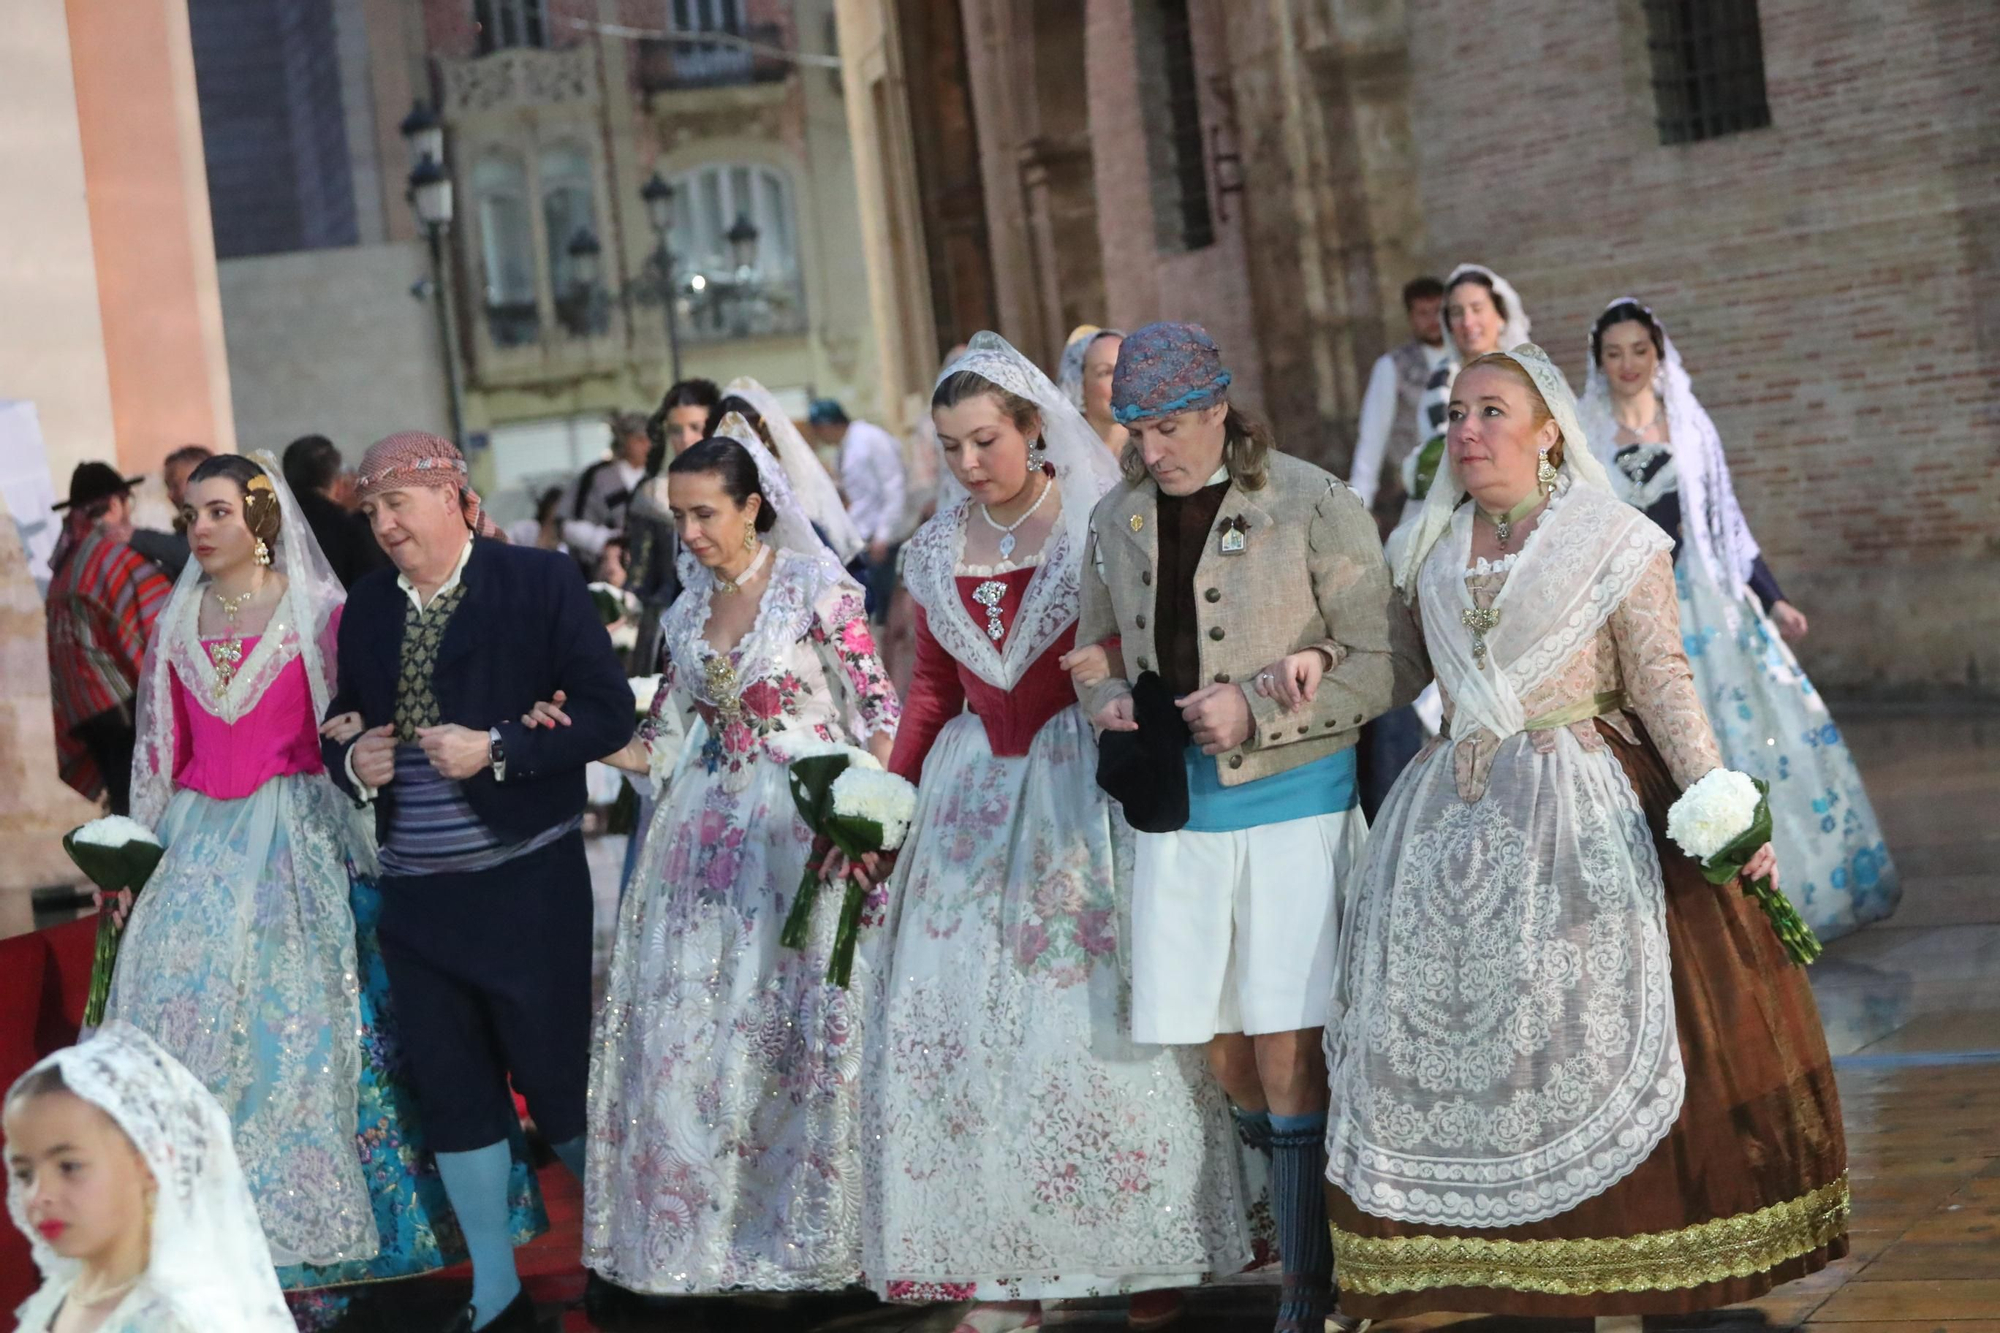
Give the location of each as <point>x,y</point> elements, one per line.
<point>496,754</point>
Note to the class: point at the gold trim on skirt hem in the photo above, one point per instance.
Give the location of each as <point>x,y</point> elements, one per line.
<point>1713,1251</point>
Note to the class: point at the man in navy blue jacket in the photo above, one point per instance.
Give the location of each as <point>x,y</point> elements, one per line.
<point>486,902</point>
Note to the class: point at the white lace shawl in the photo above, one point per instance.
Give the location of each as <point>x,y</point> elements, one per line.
<point>1501,1043</point>
<point>209,1266</point>
<point>1084,470</point>
<point>1712,522</point>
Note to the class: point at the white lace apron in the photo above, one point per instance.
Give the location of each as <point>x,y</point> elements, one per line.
<point>1501,1043</point>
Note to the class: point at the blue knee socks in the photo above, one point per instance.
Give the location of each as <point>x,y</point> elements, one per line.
<point>1298,1197</point>
<point>476,1183</point>
<point>570,1154</point>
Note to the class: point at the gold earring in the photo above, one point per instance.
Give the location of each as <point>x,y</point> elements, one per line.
<point>263,552</point>
<point>1545,475</point>
<point>750,537</point>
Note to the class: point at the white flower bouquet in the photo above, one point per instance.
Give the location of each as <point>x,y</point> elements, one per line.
<point>644,688</point>
<point>851,805</point>
<point>613,604</point>
<point>119,855</point>
<point>1722,821</point>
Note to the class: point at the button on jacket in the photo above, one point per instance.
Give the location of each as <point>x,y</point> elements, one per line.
<point>1310,574</point>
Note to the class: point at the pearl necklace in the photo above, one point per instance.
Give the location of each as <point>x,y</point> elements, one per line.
<point>1007,542</point>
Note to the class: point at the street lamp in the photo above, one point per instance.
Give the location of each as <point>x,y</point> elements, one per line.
<point>585,264</point>
<point>659,197</point>
<point>430,198</point>
<point>423,132</point>
<point>742,238</point>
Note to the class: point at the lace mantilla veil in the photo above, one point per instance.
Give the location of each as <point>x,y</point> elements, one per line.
<point>209,1267</point>
<point>1446,494</point>
<point>1711,519</point>
<point>1086,471</point>
<point>818,498</point>
<point>307,616</point>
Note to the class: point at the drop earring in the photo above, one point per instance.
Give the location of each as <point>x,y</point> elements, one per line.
<point>263,552</point>
<point>1545,475</point>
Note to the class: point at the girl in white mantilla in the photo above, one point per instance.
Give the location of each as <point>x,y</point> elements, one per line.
<point>1664,455</point>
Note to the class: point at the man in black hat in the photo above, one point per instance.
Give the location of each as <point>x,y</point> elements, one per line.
<point>103,597</point>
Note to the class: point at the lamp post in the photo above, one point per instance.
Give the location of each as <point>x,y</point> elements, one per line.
<point>742,237</point>
<point>659,197</point>
<point>585,265</point>
<point>430,197</point>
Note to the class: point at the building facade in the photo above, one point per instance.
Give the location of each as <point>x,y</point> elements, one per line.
<point>556,114</point>
<point>1803,191</point>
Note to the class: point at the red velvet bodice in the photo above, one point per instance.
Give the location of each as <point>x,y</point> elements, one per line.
<point>941,688</point>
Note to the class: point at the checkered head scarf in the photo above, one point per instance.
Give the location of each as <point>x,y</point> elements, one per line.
<point>1166,368</point>
<point>417,458</point>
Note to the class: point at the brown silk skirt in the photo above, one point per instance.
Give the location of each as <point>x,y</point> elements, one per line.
<point>1747,1191</point>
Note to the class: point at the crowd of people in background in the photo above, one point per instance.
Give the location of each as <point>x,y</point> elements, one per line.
<point>1270,833</point>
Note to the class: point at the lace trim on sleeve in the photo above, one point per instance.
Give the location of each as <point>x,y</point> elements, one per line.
<point>1659,683</point>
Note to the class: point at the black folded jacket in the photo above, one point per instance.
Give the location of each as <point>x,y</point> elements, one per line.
<point>1145,770</point>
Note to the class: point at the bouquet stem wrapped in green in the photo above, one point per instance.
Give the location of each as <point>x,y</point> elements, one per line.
<point>118,854</point>
<point>853,806</point>
<point>1721,822</point>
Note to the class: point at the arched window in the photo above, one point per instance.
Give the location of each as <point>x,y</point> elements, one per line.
<point>507,247</point>
<point>568,207</point>
<point>709,202</point>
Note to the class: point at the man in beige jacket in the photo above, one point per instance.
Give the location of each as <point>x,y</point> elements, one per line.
<point>1253,584</point>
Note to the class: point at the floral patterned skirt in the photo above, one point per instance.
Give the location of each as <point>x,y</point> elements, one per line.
<point>1773,725</point>
<point>725,1133</point>
<point>1022,1146</point>
<point>1747,1190</point>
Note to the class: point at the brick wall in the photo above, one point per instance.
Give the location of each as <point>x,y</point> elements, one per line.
<point>1830,281</point>
<point>1211,285</point>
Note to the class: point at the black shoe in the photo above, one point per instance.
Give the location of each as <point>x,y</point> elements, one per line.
<point>518,1317</point>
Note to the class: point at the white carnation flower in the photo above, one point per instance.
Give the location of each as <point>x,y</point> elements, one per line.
<point>644,688</point>
<point>115,831</point>
<point>888,800</point>
<point>1713,813</point>
<point>624,636</point>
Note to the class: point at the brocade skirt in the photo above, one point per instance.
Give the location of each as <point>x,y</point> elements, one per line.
<point>1747,1191</point>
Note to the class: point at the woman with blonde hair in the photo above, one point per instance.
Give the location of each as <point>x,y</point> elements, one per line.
<point>1570,1076</point>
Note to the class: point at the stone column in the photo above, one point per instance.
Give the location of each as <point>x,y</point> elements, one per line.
<point>36,809</point>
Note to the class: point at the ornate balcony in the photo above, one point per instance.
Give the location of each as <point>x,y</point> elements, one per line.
<point>678,64</point>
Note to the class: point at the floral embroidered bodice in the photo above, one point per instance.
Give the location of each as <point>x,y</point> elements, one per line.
<point>807,665</point>
<point>229,758</point>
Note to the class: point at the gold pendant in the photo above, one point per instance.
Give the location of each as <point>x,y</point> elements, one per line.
<point>720,677</point>
<point>1138,523</point>
<point>1480,620</point>
<point>225,655</point>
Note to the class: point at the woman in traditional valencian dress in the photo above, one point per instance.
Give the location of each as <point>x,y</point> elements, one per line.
<point>1084,376</point>
<point>725,1128</point>
<point>1570,1076</point>
<point>251,954</point>
<point>1664,456</point>
<point>1022,1148</point>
